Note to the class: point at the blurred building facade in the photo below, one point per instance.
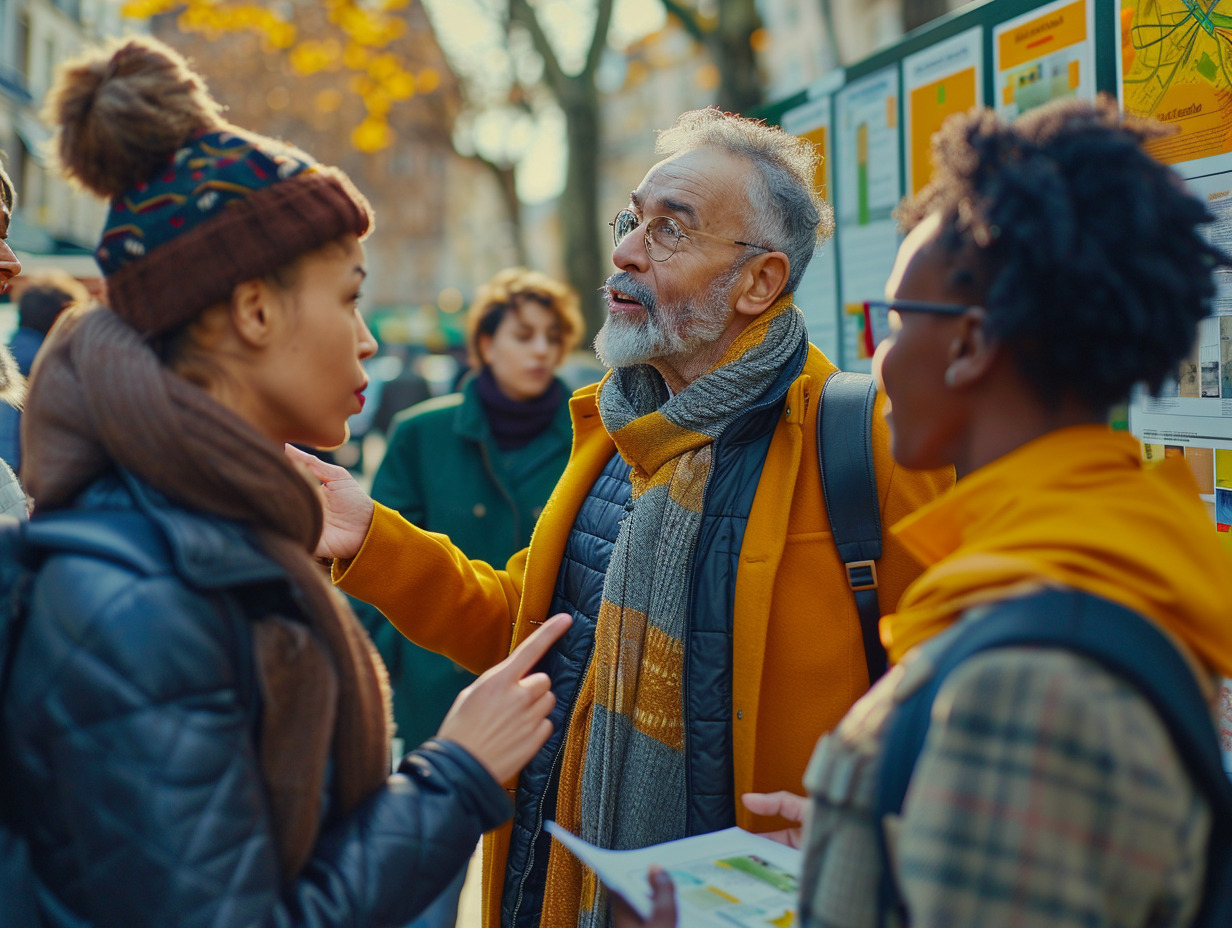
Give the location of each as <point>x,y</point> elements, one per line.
<point>54,225</point>
<point>440,222</point>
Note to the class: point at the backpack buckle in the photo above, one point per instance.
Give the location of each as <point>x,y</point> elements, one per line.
<point>861,575</point>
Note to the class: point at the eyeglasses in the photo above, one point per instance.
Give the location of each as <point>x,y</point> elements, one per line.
<point>663,234</point>
<point>877,324</point>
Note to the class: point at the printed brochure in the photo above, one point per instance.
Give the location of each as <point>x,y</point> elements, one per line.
<point>724,879</point>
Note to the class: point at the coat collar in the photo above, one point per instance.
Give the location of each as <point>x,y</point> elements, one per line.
<point>206,551</point>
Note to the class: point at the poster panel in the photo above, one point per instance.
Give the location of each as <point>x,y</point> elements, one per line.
<point>946,78</point>
<point>1195,408</point>
<point>817,292</point>
<point>868,189</point>
<point>1174,63</point>
<point>1047,54</point>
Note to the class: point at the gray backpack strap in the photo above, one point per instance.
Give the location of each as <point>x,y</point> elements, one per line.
<point>849,487</point>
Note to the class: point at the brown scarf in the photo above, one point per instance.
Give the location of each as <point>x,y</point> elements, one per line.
<point>101,398</point>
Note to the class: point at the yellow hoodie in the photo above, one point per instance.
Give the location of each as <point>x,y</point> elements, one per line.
<point>1076,508</point>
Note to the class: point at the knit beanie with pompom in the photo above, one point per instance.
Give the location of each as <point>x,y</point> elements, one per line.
<point>197,206</point>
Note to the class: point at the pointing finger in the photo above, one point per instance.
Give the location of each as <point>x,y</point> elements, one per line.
<point>531,651</point>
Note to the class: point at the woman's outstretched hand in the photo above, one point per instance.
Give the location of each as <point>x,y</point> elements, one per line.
<point>663,902</point>
<point>784,804</point>
<point>348,509</point>
<point>502,718</point>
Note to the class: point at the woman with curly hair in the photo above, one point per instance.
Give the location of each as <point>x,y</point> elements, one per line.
<point>478,466</point>
<point>194,723</point>
<point>1050,266</point>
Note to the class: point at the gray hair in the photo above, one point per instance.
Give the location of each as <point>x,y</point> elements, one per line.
<point>787,213</point>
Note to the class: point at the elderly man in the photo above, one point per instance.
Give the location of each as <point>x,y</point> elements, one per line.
<point>715,634</point>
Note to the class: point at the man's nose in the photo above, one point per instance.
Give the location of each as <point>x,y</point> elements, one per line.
<point>631,253</point>
<point>8,260</point>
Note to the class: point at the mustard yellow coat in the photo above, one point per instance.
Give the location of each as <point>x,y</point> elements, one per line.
<point>798,657</point>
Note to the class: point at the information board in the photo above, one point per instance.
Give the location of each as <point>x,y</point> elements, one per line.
<point>1166,59</point>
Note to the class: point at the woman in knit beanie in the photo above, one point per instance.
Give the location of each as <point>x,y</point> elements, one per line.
<point>196,724</point>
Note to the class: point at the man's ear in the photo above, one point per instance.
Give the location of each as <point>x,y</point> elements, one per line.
<point>252,312</point>
<point>972,353</point>
<point>762,281</point>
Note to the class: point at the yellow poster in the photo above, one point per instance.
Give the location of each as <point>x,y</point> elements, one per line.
<point>818,138</point>
<point>1048,54</point>
<point>938,82</point>
<point>1176,65</point>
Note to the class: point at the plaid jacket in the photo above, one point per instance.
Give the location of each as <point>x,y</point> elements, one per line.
<point>1047,794</point>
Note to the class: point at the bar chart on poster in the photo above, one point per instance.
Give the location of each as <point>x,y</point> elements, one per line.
<point>868,188</point>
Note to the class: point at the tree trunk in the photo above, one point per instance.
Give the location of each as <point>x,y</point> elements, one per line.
<point>732,49</point>
<point>585,265</point>
<point>506,179</point>
<point>918,12</point>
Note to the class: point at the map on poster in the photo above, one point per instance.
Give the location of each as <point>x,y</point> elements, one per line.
<point>817,292</point>
<point>868,189</point>
<point>944,79</point>
<point>726,879</point>
<point>1175,64</point>
<point>1047,54</point>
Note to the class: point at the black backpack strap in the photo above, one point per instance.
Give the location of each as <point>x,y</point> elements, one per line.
<point>849,487</point>
<point>1124,643</point>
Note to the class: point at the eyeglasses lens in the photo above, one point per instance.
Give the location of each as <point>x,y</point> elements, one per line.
<point>877,326</point>
<point>624,223</point>
<point>662,238</point>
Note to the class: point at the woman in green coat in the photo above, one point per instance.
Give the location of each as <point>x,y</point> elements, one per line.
<point>479,465</point>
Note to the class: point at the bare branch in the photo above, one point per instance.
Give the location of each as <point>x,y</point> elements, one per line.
<point>522,12</point>
<point>603,19</point>
<point>687,17</point>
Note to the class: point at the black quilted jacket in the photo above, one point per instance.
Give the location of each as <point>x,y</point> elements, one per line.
<point>128,748</point>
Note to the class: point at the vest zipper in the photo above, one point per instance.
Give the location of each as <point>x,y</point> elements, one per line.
<point>543,796</point>
<point>530,851</point>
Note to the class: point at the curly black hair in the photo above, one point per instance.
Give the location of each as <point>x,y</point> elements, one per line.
<point>1085,250</point>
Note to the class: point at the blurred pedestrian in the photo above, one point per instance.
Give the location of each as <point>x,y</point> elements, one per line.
<point>195,724</point>
<point>43,297</point>
<point>478,466</point>
<point>12,379</point>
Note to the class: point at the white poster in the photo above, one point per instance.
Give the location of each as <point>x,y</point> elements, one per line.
<point>1047,54</point>
<point>867,191</point>
<point>942,80</point>
<point>817,293</point>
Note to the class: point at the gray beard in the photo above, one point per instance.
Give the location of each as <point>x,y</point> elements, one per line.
<point>690,326</point>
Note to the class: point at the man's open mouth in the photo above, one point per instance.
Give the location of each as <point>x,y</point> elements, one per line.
<point>621,300</point>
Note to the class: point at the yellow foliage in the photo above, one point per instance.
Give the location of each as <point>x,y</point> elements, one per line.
<point>401,86</point>
<point>365,29</point>
<point>355,57</point>
<point>427,80</point>
<point>371,135</point>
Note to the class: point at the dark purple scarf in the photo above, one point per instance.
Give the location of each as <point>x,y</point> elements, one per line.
<point>515,423</point>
